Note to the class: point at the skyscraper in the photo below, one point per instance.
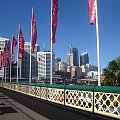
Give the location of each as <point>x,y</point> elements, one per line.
<point>72,58</point>
<point>84,58</point>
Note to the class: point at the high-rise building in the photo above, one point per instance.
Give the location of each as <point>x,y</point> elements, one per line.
<point>63,66</point>
<point>44,63</point>
<point>72,59</point>
<point>57,59</point>
<point>24,65</point>
<point>3,41</point>
<point>84,58</point>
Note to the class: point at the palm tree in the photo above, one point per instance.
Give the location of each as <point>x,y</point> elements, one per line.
<point>112,73</point>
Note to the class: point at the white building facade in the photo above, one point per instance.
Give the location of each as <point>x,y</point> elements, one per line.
<point>70,61</point>
<point>63,66</point>
<point>44,64</point>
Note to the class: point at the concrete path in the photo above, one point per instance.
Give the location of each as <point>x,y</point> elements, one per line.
<point>12,110</point>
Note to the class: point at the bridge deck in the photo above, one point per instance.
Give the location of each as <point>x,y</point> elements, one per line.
<point>16,106</point>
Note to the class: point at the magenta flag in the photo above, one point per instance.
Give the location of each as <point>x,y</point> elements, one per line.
<point>21,44</point>
<point>92,11</point>
<point>33,32</point>
<point>6,56</point>
<point>54,18</point>
<point>1,59</point>
<point>14,43</point>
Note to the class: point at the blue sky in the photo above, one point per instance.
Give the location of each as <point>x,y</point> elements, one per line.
<point>73,26</point>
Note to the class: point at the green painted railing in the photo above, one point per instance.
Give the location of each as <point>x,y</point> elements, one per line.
<point>96,99</point>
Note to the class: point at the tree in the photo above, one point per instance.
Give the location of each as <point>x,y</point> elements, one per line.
<point>112,73</point>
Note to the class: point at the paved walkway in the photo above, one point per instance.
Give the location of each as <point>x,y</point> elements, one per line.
<point>12,110</point>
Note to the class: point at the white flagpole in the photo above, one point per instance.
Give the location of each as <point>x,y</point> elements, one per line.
<point>98,45</point>
<point>11,58</point>
<point>51,47</point>
<point>5,73</point>
<point>18,53</point>
<point>30,50</point>
<point>2,75</point>
<point>5,67</point>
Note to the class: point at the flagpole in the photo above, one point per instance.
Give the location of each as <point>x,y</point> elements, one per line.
<point>51,47</point>
<point>98,45</point>
<point>30,50</point>
<point>30,65</point>
<point>5,63</point>
<point>5,73</point>
<point>2,75</point>
<point>11,57</point>
<point>18,53</point>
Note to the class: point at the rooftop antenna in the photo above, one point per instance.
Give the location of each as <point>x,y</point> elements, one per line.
<point>44,47</point>
<point>0,34</point>
<point>70,48</point>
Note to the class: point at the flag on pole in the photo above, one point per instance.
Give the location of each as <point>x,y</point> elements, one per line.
<point>14,43</point>
<point>1,59</point>
<point>92,11</point>
<point>6,56</point>
<point>54,18</point>
<point>21,44</point>
<point>33,32</point>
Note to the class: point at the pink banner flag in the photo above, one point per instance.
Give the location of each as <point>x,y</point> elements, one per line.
<point>14,43</point>
<point>34,31</point>
<point>54,18</point>
<point>6,56</point>
<point>21,44</point>
<point>92,11</point>
<point>1,59</point>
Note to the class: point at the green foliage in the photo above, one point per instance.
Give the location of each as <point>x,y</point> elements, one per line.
<point>112,73</point>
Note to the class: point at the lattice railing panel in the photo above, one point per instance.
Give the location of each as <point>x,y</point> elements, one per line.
<point>32,90</point>
<point>38,89</point>
<point>56,95</point>
<point>18,87</point>
<point>24,89</point>
<point>107,104</point>
<point>12,87</point>
<point>43,93</point>
<point>7,85</point>
<point>79,99</point>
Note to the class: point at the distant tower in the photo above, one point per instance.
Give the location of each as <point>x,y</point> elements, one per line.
<point>44,47</point>
<point>72,58</point>
<point>84,58</point>
<point>57,59</point>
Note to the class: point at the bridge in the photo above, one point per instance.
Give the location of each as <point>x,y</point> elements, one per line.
<point>58,102</point>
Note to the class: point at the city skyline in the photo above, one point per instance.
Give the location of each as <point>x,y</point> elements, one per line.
<point>73,26</point>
